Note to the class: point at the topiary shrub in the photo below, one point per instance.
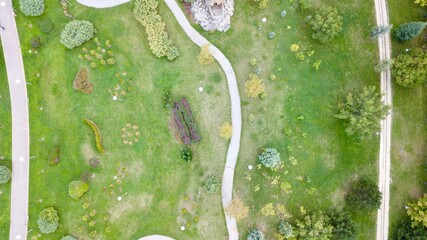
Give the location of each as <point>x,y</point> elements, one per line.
<point>211,184</point>
<point>98,136</point>
<point>4,174</point>
<point>68,237</point>
<point>269,157</point>
<point>255,234</point>
<point>286,229</point>
<point>48,220</point>
<point>31,7</point>
<point>45,25</point>
<point>76,32</point>
<point>77,188</point>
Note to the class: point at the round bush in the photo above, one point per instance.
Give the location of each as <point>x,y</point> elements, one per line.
<point>255,234</point>
<point>269,157</point>
<point>45,25</point>
<point>48,220</point>
<point>211,184</point>
<point>31,7</point>
<point>68,237</point>
<point>286,229</point>
<point>76,32</point>
<point>77,188</point>
<point>4,174</point>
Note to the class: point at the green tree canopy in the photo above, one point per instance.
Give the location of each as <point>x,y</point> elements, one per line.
<point>404,230</point>
<point>410,68</point>
<point>255,234</point>
<point>76,32</point>
<point>269,157</point>
<point>31,7</point>
<point>313,227</point>
<point>326,24</point>
<point>363,194</point>
<point>48,220</point>
<point>363,112</point>
<point>408,31</point>
<point>417,211</point>
<point>344,227</point>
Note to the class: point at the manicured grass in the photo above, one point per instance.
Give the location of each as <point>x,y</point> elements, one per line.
<point>409,136</point>
<point>323,151</point>
<point>159,180</point>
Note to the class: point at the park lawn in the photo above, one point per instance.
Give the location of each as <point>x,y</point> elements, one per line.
<point>409,130</point>
<point>160,184</point>
<point>327,159</point>
<point>5,148</point>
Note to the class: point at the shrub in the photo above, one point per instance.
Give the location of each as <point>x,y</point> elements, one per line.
<point>286,229</point>
<point>422,3</point>
<point>380,30</point>
<point>145,12</point>
<point>31,7</point>
<point>48,220</point>
<point>226,130</point>
<point>344,227</point>
<point>81,83</point>
<point>54,155</point>
<point>211,184</point>
<point>45,25</point>
<point>410,69</point>
<point>237,209</point>
<point>417,211</point>
<point>363,194</point>
<point>269,157</point>
<point>186,154</point>
<point>255,234</point>
<point>98,136</point>
<point>76,32</point>
<point>408,31</point>
<point>326,24</point>
<point>77,188</point>
<point>167,100</point>
<point>255,86</point>
<point>68,237</point>
<point>5,174</point>
<point>404,230</point>
<point>205,56</point>
<point>313,227</point>
<point>305,4</point>
<point>262,4</point>
<point>35,42</point>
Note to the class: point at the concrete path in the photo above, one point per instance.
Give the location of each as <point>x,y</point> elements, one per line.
<point>102,3</point>
<point>236,117</point>
<point>385,140</point>
<point>156,237</point>
<point>20,123</point>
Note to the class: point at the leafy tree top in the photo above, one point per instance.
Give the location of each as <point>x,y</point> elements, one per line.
<point>344,227</point>
<point>363,194</point>
<point>255,234</point>
<point>76,32</point>
<point>417,211</point>
<point>313,227</point>
<point>408,31</point>
<point>326,24</point>
<point>269,157</point>
<point>410,69</point>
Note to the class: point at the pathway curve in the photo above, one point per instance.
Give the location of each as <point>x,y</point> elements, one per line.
<point>156,237</point>
<point>385,140</point>
<point>102,3</point>
<point>20,123</point>
<point>236,116</point>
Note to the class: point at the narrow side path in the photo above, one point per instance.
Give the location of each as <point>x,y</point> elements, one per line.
<point>236,115</point>
<point>385,140</point>
<point>20,122</point>
<point>102,3</point>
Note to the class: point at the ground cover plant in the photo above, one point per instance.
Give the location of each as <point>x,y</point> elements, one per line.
<point>150,177</point>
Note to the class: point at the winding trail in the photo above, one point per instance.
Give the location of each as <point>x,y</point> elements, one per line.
<point>20,122</point>
<point>236,116</point>
<point>385,140</point>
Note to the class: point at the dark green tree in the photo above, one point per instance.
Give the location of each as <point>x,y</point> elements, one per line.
<point>4,174</point>
<point>363,112</point>
<point>269,157</point>
<point>255,234</point>
<point>326,24</point>
<point>363,194</point>
<point>410,68</point>
<point>404,230</point>
<point>408,31</point>
<point>286,229</point>
<point>344,227</point>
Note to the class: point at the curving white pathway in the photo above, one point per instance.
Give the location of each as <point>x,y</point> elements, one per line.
<point>156,237</point>
<point>102,3</point>
<point>385,140</point>
<point>20,122</point>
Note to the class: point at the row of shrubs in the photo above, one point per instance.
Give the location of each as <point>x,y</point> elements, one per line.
<point>185,122</point>
<point>145,12</point>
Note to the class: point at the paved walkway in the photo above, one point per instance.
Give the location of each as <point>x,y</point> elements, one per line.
<point>20,123</point>
<point>236,118</point>
<point>156,237</point>
<point>102,3</point>
<point>385,140</point>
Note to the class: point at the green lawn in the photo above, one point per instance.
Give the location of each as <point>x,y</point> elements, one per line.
<point>160,184</point>
<point>324,154</point>
<point>409,137</point>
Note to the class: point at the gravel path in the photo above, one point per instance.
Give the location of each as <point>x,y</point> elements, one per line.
<point>385,140</point>
<point>20,122</point>
<point>236,118</point>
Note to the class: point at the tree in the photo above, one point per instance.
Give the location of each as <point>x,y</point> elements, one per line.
<point>77,188</point>
<point>363,194</point>
<point>410,68</point>
<point>211,184</point>
<point>269,157</point>
<point>226,130</point>
<point>205,56</point>
<point>286,229</point>
<point>422,3</point>
<point>76,32</point>
<point>380,30</point>
<point>48,220</point>
<point>326,24</point>
<point>255,86</point>
<point>363,112</point>
<point>262,4</point>
<point>408,31</point>
<point>4,174</point>
<point>31,7</point>
<point>237,209</point>
<point>404,230</point>
<point>417,211</point>
<point>344,227</point>
<point>255,234</point>
<point>313,227</point>
<point>305,4</point>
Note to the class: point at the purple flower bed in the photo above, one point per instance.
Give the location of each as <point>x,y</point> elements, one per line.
<point>181,128</point>
<point>185,122</point>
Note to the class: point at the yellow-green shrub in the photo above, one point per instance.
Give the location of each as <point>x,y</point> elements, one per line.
<point>98,136</point>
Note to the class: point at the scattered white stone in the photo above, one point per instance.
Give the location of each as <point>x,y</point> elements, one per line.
<point>41,108</point>
<point>42,171</point>
<point>1,192</point>
<point>42,139</point>
<point>115,177</point>
<point>250,167</point>
<point>201,89</point>
<point>119,198</point>
<point>264,20</point>
<point>114,98</point>
<point>182,228</point>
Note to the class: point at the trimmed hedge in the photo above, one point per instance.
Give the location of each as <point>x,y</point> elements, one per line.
<point>97,132</point>
<point>48,220</point>
<point>4,174</point>
<point>76,32</point>
<point>145,12</point>
<point>31,7</point>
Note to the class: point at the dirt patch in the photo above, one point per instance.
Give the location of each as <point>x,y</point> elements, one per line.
<point>337,198</point>
<point>174,129</point>
<point>88,151</point>
<point>129,204</point>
